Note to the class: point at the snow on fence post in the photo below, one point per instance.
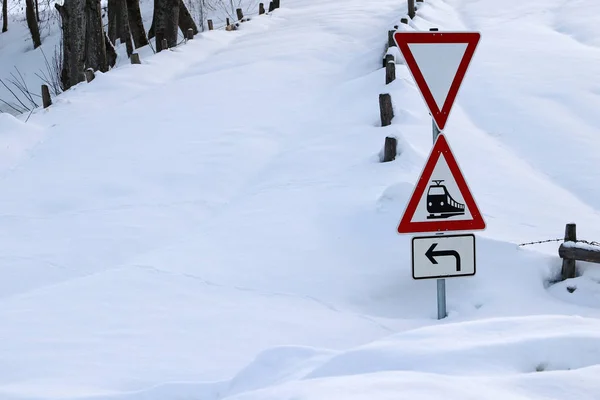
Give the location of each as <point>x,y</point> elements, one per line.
<point>388,58</point>
<point>386,110</point>
<point>190,34</point>
<point>390,70</point>
<point>89,75</point>
<point>240,14</point>
<point>568,264</point>
<point>261,8</point>
<point>390,149</point>
<point>46,99</point>
<point>210,25</point>
<point>411,8</point>
<point>135,58</point>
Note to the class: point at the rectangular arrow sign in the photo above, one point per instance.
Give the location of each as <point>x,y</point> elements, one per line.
<point>443,256</point>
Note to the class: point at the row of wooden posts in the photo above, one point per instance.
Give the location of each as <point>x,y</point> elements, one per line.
<point>189,35</point>
<point>386,109</point>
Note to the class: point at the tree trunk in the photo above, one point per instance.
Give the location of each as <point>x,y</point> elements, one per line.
<point>151,31</point>
<point>123,25</point>
<point>136,24</point>
<point>32,23</point>
<point>185,19</point>
<point>4,15</point>
<point>167,22</point>
<point>113,21</point>
<point>111,53</point>
<point>72,14</point>
<point>95,48</point>
<point>37,10</point>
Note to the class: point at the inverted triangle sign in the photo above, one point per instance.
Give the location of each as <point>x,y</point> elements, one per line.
<point>441,200</point>
<point>438,62</point>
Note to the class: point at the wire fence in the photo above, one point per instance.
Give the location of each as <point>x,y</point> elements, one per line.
<point>591,243</point>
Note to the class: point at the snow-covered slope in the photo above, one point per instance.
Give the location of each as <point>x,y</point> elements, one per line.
<point>170,221</point>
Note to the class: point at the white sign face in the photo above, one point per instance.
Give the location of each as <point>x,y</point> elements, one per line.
<point>443,256</point>
<point>443,198</point>
<point>439,63</point>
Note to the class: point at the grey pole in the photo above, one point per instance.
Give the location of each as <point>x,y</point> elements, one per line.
<point>441,283</point>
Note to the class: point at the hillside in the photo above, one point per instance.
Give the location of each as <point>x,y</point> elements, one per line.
<point>215,223</point>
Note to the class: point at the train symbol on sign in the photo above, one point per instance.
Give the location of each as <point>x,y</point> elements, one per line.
<point>440,204</point>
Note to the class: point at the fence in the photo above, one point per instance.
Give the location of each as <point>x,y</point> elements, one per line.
<point>386,107</point>
<point>189,35</point>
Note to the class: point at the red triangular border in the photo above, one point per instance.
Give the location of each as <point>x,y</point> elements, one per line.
<point>476,223</point>
<point>403,39</point>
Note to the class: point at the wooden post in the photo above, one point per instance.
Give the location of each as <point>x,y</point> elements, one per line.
<point>89,75</point>
<point>390,71</point>
<point>240,14</point>
<point>388,58</point>
<point>404,20</point>
<point>271,8</point>
<point>46,99</point>
<point>165,44</point>
<point>391,41</point>
<point>210,25</point>
<point>419,1</point>
<point>390,149</point>
<point>411,8</point>
<point>227,23</point>
<point>261,8</point>
<point>396,27</point>
<point>386,110</point>
<point>276,4</point>
<point>135,58</point>
<point>190,34</point>
<point>568,264</point>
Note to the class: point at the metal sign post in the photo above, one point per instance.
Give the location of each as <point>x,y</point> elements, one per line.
<point>441,283</point>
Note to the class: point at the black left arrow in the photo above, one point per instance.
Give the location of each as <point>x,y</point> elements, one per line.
<point>431,255</point>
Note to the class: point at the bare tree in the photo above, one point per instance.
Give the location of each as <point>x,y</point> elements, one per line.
<point>72,14</point>
<point>4,16</point>
<point>118,23</point>
<point>113,21</point>
<point>123,26</point>
<point>95,48</point>
<point>185,21</point>
<point>167,21</point>
<point>32,23</point>
<point>136,24</point>
<point>111,53</point>
<point>84,43</point>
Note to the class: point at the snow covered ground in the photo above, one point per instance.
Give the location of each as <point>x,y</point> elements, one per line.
<point>215,224</point>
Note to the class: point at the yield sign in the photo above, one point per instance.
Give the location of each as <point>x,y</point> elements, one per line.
<point>438,62</point>
<point>441,200</point>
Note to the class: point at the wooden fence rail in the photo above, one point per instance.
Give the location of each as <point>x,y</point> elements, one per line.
<point>571,251</point>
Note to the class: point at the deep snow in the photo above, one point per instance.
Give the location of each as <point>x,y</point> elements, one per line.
<point>174,221</point>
